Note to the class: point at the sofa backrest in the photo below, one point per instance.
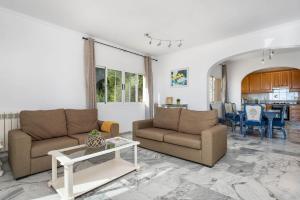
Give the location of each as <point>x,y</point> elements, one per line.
<point>44,124</point>
<point>167,118</point>
<point>194,122</point>
<point>81,121</point>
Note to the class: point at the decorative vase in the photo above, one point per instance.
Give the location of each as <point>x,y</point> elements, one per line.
<point>95,139</point>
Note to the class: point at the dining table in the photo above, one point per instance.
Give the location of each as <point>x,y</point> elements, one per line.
<point>269,114</point>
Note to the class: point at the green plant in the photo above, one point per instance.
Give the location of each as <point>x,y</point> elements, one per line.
<point>95,132</point>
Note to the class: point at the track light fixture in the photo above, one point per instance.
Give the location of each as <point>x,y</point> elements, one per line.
<point>180,44</point>
<point>270,55</point>
<point>160,42</point>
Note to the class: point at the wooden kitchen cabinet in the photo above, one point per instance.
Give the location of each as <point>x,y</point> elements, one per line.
<point>295,80</point>
<point>276,79</point>
<point>245,85</point>
<point>266,82</point>
<point>285,78</point>
<point>295,113</point>
<point>255,82</point>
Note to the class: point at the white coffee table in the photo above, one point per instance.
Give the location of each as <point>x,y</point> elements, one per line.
<point>73,184</point>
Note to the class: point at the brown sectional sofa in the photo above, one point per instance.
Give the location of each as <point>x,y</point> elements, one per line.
<point>45,130</point>
<point>187,134</point>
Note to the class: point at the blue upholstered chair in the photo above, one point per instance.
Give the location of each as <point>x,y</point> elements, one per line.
<point>279,123</point>
<point>231,115</point>
<point>254,118</point>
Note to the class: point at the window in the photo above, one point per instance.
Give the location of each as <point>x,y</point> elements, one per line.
<point>114,85</point>
<point>130,87</point>
<point>111,83</point>
<point>140,87</point>
<point>211,85</point>
<point>100,84</point>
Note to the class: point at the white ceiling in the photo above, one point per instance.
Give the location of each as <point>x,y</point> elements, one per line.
<point>125,21</point>
<point>257,54</point>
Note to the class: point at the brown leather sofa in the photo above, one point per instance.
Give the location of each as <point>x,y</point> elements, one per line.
<point>45,130</point>
<point>187,134</point>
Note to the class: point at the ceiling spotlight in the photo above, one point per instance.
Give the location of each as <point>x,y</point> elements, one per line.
<point>180,44</point>
<point>158,44</point>
<point>170,44</point>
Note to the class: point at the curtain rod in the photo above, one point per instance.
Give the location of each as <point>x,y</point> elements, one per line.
<point>108,45</point>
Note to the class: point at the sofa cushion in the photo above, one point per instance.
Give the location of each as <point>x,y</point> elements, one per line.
<point>82,137</point>
<point>41,148</point>
<point>81,121</point>
<point>167,118</point>
<point>44,124</point>
<point>194,122</point>
<point>186,140</point>
<point>153,133</point>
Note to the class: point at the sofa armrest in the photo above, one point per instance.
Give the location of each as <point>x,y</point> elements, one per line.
<point>19,148</point>
<point>140,124</point>
<point>214,144</point>
<point>114,130</point>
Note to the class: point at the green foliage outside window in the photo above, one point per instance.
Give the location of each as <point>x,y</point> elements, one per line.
<point>130,87</point>
<point>114,85</point>
<point>140,88</point>
<point>110,84</point>
<point>100,84</point>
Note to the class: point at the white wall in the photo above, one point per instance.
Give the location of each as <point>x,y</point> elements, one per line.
<point>201,58</point>
<point>124,113</point>
<point>41,67</point>
<point>238,69</point>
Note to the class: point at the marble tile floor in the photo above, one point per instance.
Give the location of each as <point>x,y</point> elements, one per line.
<point>253,169</point>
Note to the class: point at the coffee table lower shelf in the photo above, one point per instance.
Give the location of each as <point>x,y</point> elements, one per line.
<point>95,176</point>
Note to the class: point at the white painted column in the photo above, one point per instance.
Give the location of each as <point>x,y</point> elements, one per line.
<point>68,179</point>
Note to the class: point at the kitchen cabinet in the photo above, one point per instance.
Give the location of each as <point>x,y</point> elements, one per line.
<point>295,80</point>
<point>285,78</point>
<point>266,82</point>
<point>255,83</point>
<point>276,79</point>
<point>245,85</point>
<point>280,79</point>
<point>295,113</point>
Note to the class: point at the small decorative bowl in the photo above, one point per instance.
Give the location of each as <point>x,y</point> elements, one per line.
<point>95,141</point>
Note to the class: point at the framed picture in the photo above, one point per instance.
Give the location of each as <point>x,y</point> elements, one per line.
<point>180,77</point>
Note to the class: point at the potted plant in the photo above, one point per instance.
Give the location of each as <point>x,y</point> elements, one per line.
<point>95,139</point>
<point>178,101</point>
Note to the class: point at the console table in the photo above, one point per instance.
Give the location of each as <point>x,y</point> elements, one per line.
<point>175,106</point>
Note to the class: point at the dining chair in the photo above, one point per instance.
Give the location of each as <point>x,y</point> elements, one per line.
<point>219,107</point>
<point>279,123</point>
<point>254,118</point>
<point>231,115</point>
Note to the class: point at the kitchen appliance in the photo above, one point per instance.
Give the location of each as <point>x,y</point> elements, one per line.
<point>280,106</point>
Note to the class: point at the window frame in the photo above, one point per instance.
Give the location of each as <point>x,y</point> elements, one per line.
<point>123,83</point>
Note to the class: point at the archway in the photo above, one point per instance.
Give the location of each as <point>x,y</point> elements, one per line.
<point>238,66</point>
